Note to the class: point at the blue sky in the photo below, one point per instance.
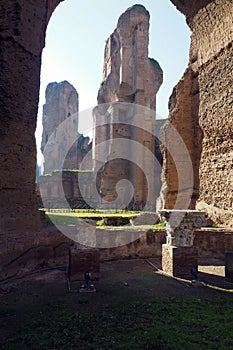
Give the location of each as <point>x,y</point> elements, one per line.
<point>75,44</point>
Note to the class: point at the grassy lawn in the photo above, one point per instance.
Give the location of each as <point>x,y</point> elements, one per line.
<point>152,312</point>
<point>70,218</point>
<point>99,213</point>
<point>158,324</point>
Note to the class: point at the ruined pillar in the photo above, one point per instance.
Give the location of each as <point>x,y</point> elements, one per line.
<point>179,255</point>
<point>129,76</point>
<point>61,106</point>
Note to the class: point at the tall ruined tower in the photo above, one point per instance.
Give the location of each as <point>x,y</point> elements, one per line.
<point>129,76</point>
<point>62,104</point>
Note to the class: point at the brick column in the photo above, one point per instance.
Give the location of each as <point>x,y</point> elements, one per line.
<point>179,254</point>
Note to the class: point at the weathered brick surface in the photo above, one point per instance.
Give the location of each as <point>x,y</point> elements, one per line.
<point>213,243</point>
<point>180,166</point>
<point>51,249</point>
<point>148,244</point>
<point>65,184</point>
<point>206,103</point>
<point>128,76</point>
<point>60,126</point>
<point>23,25</point>
<point>21,42</point>
<point>189,9</point>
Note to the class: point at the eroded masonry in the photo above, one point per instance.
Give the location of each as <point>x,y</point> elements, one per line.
<point>128,76</point>
<point>201,110</point>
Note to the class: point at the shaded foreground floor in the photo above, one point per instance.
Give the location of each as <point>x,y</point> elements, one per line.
<point>134,308</point>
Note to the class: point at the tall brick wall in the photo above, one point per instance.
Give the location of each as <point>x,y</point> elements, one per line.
<point>22,38</point>
<point>183,116</point>
<point>208,110</point>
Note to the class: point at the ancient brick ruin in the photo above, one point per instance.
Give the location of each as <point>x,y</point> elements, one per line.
<point>61,104</point>
<point>63,147</point>
<point>66,182</point>
<point>128,76</point>
<point>179,255</point>
<point>137,83</point>
<point>200,109</point>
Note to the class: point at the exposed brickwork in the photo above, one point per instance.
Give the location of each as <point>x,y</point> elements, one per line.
<point>213,243</point>
<point>183,106</point>
<point>128,76</point>
<point>189,9</point>
<point>23,25</point>
<point>206,103</point>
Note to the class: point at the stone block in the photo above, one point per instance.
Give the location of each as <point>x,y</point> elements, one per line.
<point>82,260</point>
<point>178,261</point>
<point>145,219</point>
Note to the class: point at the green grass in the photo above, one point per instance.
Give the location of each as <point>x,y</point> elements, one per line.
<point>152,312</point>
<point>160,226</point>
<point>156,324</point>
<point>70,219</point>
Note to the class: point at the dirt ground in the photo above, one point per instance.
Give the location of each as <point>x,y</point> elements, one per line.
<point>119,282</point>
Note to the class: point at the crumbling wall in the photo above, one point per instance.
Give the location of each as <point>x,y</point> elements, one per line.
<point>59,184</point>
<point>215,63</point>
<point>183,116</point>
<point>205,106</point>
<point>75,158</point>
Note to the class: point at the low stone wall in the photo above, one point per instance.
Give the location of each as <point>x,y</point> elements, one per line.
<point>213,242</point>
<point>52,248</point>
<point>210,243</point>
<point>148,244</point>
